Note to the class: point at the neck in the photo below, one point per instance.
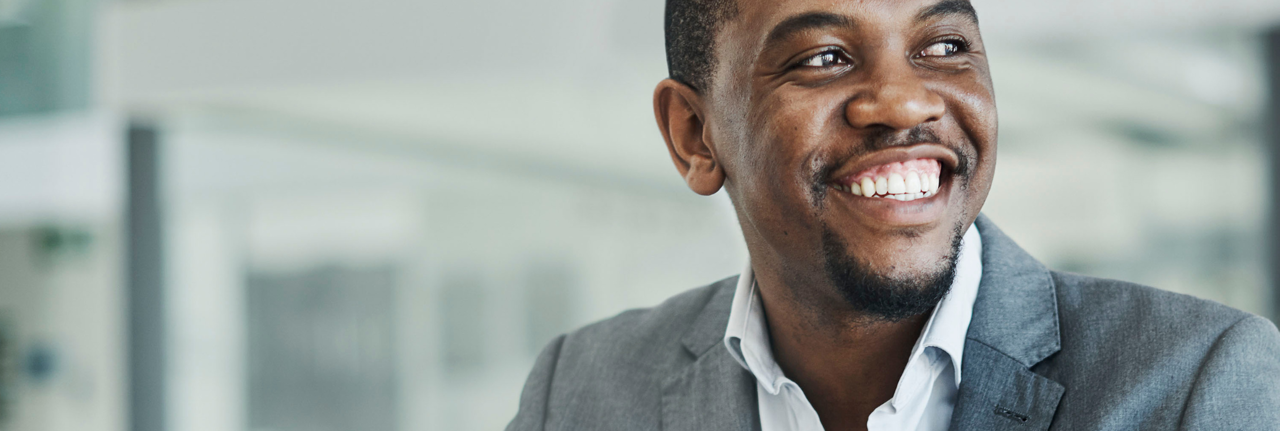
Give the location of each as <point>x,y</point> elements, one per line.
<point>847,363</point>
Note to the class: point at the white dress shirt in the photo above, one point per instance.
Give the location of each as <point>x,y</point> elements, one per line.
<point>926,392</point>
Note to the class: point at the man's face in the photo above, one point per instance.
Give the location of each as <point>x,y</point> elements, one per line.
<point>857,138</point>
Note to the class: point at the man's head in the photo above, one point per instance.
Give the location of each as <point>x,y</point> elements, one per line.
<point>856,139</point>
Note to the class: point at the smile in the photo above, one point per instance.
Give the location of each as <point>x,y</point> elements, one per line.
<point>897,187</point>
<point>903,181</point>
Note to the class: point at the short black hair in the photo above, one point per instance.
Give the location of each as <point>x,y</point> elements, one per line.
<point>691,27</point>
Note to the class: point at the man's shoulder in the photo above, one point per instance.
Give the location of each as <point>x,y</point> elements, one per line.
<point>1092,304</point>
<point>610,374</point>
<point>641,342</point>
<point>612,371</point>
<point>661,324</point>
<point>1136,353</point>
<point>1116,318</point>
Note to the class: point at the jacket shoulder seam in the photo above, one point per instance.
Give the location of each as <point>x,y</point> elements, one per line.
<point>1204,361</point>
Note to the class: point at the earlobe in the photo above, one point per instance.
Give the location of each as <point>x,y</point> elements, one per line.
<point>681,120</point>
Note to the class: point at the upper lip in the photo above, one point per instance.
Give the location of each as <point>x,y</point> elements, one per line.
<point>945,155</point>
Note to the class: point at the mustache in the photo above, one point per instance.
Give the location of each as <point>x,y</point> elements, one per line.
<point>823,166</point>
<point>882,138</point>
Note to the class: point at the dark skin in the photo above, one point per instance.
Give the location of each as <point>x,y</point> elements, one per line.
<point>804,93</point>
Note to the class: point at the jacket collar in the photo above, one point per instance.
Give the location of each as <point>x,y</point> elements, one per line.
<point>707,330</point>
<point>1014,327</point>
<point>714,392</point>
<point>1017,308</point>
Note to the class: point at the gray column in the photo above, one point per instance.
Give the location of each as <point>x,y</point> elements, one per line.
<point>1272,123</point>
<point>146,283</point>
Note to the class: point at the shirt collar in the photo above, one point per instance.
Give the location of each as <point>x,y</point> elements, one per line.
<point>747,336</point>
<point>947,327</point>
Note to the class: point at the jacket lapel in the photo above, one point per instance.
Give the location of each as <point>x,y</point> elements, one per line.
<point>713,392</point>
<point>1014,327</point>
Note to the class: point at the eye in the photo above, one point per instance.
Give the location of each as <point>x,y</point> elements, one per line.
<point>944,48</point>
<point>824,59</point>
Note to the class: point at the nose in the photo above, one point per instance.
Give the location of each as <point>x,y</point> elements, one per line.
<point>897,99</point>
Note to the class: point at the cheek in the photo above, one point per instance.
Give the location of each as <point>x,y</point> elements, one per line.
<point>773,172</point>
<point>976,111</point>
<point>788,128</point>
<point>972,105</point>
<point>971,125</point>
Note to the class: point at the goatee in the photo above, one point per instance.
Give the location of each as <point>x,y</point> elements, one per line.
<point>882,297</point>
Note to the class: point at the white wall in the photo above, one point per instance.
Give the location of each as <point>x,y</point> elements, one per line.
<point>62,174</point>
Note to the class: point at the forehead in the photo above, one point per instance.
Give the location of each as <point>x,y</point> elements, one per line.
<point>758,18</point>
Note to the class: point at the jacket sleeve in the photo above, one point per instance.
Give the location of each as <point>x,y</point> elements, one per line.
<point>1238,385</point>
<point>533,400</point>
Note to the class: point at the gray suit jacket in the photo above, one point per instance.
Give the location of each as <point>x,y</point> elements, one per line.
<point>1045,350</point>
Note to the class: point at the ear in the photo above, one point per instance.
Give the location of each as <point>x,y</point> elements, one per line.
<point>682,122</point>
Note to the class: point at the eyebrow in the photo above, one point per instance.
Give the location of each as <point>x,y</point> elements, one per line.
<point>804,22</point>
<point>815,20</point>
<point>949,7</point>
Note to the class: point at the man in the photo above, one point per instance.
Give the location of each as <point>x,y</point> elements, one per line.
<point>857,140</point>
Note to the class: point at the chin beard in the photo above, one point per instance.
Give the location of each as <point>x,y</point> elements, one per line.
<point>880,297</point>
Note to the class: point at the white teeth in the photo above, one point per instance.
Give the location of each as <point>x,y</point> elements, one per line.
<point>912,186</point>
<point>913,182</point>
<point>897,184</point>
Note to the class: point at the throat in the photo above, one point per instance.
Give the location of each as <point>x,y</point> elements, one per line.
<point>846,369</point>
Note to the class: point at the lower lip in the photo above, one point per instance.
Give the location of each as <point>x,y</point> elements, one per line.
<point>893,212</point>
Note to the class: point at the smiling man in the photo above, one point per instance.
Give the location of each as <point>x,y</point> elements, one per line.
<point>857,140</point>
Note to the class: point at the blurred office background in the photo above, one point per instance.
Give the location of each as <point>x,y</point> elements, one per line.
<point>331,215</point>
